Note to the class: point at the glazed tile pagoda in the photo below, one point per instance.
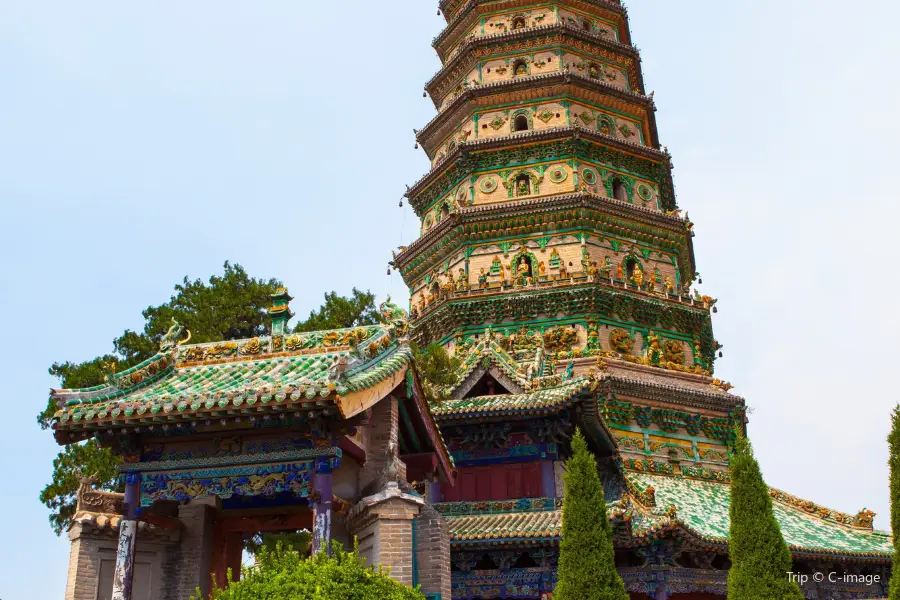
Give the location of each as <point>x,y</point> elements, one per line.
<point>554,262</point>
<point>555,265</point>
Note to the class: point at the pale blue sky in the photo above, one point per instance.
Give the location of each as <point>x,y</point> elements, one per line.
<point>144,141</point>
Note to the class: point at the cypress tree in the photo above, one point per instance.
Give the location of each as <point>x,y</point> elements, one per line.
<point>894,462</point>
<point>760,559</point>
<point>587,569</point>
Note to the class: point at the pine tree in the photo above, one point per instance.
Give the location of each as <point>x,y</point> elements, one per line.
<point>760,559</point>
<point>587,569</point>
<point>894,462</point>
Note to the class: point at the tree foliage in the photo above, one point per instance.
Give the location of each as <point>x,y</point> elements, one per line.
<point>587,569</point>
<point>282,574</point>
<point>300,541</point>
<point>894,463</point>
<point>230,306</point>
<point>760,559</point>
<point>340,312</point>
<point>437,370</point>
<point>76,461</point>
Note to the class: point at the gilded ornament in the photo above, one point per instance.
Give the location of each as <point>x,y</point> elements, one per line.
<point>637,276</point>
<point>545,116</point>
<point>197,353</point>
<point>589,176</point>
<point>674,352</point>
<point>621,341</point>
<point>559,339</point>
<point>251,347</point>
<point>654,350</point>
<point>722,385</point>
<point>497,123</point>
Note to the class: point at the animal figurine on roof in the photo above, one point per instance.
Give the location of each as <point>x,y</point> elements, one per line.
<point>170,340</point>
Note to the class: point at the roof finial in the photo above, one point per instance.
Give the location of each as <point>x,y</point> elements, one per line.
<point>280,311</point>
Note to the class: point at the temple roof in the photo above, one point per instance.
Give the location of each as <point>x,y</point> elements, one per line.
<point>525,518</point>
<point>319,369</point>
<point>555,392</point>
<point>700,509</point>
<point>538,401</point>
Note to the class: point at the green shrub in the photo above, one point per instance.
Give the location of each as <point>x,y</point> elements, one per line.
<point>281,574</point>
<point>587,569</point>
<point>760,560</point>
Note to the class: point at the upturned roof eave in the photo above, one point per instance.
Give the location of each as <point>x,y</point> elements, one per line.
<point>710,401</point>
<point>546,203</point>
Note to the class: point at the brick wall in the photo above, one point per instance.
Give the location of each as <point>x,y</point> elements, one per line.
<point>381,432</point>
<point>188,567</point>
<point>93,558</point>
<point>383,524</point>
<point>433,552</point>
<point>84,562</point>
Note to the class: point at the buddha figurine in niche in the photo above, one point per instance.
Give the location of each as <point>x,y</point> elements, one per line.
<point>523,270</point>
<point>523,186</point>
<point>521,69</point>
<point>637,277</point>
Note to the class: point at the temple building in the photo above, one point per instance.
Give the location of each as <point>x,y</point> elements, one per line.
<point>555,264</point>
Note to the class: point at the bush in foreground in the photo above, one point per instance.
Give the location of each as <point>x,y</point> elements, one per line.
<point>282,574</point>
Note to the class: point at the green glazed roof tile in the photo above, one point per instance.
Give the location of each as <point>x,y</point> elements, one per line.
<point>539,400</point>
<point>703,507</point>
<point>167,386</point>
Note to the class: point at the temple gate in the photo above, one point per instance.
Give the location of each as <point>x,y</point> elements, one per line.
<point>326,432</point>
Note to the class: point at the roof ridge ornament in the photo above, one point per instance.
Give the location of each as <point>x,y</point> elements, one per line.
<point>170,340</point>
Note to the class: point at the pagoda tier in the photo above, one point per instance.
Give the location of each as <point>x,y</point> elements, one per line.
<point>541,49</point>
<point>547,101</point>
<point>467,19</point>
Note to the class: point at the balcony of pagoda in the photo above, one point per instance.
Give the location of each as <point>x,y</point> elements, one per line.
<point>464,19</point>
<point>532,218</point>
<point>430,304</point>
